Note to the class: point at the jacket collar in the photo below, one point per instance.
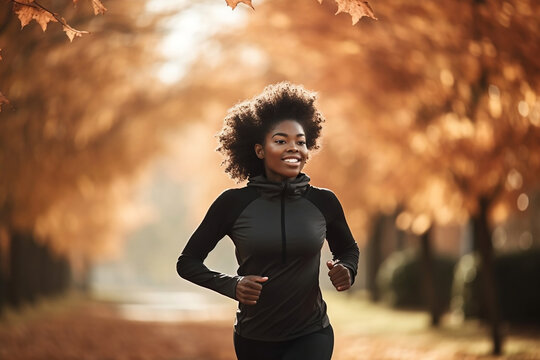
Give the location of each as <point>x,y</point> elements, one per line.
<point>293,188</point>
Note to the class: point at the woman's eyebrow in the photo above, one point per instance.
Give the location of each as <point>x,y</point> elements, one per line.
<point>285,135</point>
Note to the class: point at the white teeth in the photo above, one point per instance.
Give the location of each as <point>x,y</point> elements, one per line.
<point>291,160</point>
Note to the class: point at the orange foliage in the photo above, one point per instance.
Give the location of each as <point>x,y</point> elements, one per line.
<point>234,3</point>
<point>28,10</point>
<point>98,7</point>
<point>356,8</point>
<point>80,128</point>
<point>429,110</point>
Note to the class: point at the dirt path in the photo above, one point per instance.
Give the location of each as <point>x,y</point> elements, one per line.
<point>96,331</point>
<point>92,330</point>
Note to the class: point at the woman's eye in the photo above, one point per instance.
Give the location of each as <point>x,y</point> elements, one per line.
<point>301,143</point>
<point>280,141</point>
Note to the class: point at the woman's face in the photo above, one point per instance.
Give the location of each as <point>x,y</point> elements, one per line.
<point>284,151</point>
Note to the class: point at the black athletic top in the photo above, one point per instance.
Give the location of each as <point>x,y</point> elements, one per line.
<point>278,230</point>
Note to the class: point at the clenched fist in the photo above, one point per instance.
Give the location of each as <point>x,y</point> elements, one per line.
<point>339,275</point>
<point>249,289</point>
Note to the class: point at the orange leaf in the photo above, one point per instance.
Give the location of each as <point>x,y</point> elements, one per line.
<point>356,8</point>
<point>72,33</point>
<point>3,100</point>
<point>233,3</point>
<point>98,7</point>
<point>28,12</point>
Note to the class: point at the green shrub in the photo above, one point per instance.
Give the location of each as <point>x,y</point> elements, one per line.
<point>400,279</point>
<point>464,288</point>
<point>517,277</point>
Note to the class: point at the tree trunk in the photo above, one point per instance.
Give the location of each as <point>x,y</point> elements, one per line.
<point>15,283</point>
<point>43,254</point>
<point>482,238</point>
<point>3,278</point>
<point>428,275</point>
<point>31,273</point>
<point>22,283</point>
<point>374,257</point>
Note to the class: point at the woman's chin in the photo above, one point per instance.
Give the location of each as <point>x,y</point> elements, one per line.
<point>290,173</point>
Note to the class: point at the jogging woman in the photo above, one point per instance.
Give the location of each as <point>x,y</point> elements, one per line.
<point>278,224</point>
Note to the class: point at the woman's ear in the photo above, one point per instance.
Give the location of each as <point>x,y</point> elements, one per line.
<point>259,151</point>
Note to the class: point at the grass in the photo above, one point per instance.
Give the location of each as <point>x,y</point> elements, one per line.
<point>391,334</point>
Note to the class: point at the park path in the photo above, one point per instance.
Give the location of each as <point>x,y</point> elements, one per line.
<point>90,330</point>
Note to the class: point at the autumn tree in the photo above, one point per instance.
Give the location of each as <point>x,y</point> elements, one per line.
<point>466,124</point>
<point>433,108</point>
<point>84,118</point>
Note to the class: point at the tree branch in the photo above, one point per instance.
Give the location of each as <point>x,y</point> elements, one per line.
<point>70,32</point>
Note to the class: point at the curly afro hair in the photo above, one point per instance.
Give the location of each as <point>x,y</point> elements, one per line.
<point>248,122</point>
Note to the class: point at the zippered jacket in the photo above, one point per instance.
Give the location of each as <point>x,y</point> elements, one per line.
<point>278,230</point>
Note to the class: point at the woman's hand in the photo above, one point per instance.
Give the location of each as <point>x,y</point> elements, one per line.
<point>249,289</point>
<point>339,275</point>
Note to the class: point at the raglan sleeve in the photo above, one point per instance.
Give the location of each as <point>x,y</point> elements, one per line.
<point>213,228</point>
<point>340,239</point>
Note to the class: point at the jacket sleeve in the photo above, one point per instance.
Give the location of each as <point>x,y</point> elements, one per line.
<point>340,239</point>
<point>212,229</point>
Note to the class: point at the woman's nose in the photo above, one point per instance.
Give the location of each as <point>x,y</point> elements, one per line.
<point>292,147</point>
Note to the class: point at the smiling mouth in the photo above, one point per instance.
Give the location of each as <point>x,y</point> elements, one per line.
<point>292,161</point>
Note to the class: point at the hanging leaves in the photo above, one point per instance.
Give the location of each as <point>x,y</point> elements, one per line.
<point>29,11</point>
<point>98,7</point>
<point>72,33</point>
<point>356,8</point>
<point>233,3</point>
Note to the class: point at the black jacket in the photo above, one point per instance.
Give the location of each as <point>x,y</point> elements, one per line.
<point>278,230</point>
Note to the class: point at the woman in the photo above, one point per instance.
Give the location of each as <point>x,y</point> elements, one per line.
<point>278,224</point>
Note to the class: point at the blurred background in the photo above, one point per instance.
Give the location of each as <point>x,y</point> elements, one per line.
<point>108,164</point>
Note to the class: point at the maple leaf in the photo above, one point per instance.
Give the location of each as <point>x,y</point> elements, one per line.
<point>356,8</point>
<point>27,12</point>
<point>71,32</point>
<point>3,100</point>
<point>98,7</point>
<point>233,3</point>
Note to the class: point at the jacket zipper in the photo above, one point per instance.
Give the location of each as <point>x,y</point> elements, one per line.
<point>283,236</point>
